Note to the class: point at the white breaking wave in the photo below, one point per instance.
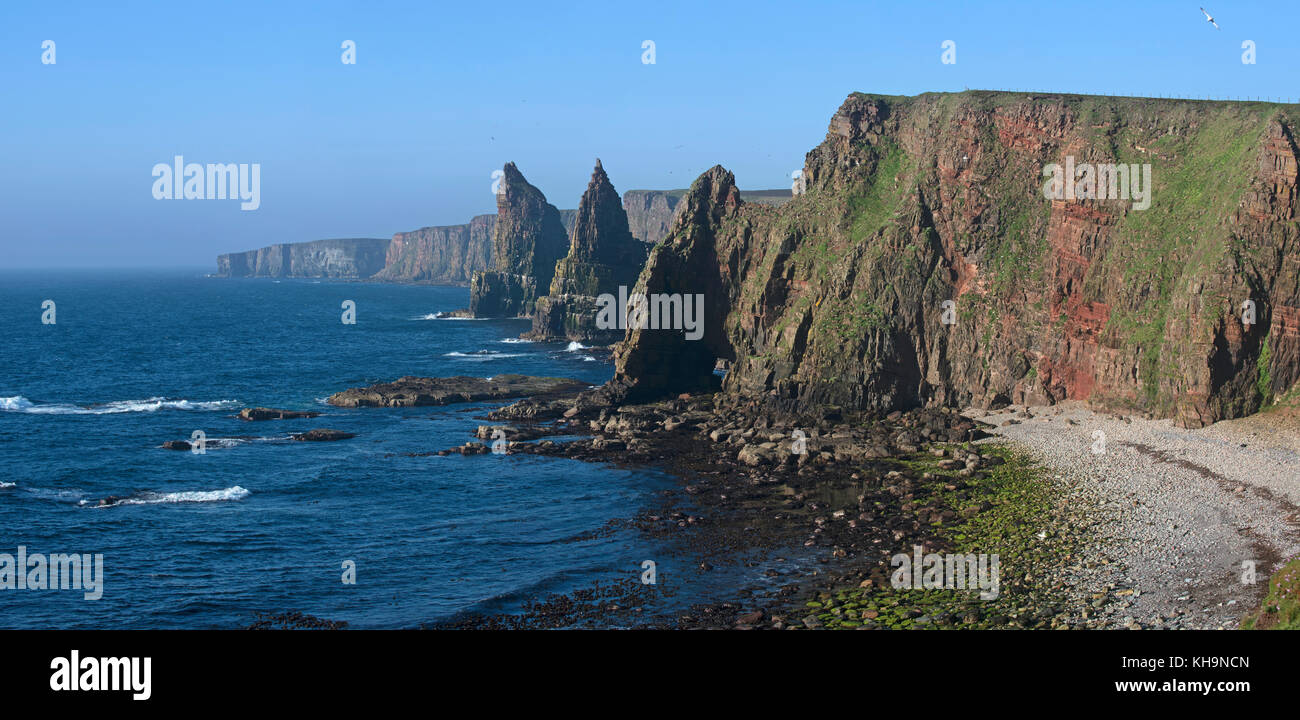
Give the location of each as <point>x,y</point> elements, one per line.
<point>516,341</point>
<point>588,358</point>
<point>483,355</point>
<point>4,484</point>
<point>224,443</point>
<point>575,346</point>
<point>17,403</point>
<point>193,496</point>
<point>443,316</point>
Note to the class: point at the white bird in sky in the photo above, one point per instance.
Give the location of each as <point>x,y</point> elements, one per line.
<point>1210,20</point>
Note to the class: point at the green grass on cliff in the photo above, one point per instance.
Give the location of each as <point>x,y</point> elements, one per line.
<point>1198,179</point>
<point>1203,157</point>
<point>879,199</point>
<point>1280,609</point>
<point>821,258</point>
<point>871,209</point>
<point>1264,383</point>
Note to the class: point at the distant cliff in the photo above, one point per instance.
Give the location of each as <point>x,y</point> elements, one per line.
<point>337,258</point>
<point>446,255</point>
<point>440,255</point>
<point>650,213</point>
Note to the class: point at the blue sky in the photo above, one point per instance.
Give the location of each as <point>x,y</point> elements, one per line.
<point>444,93</point>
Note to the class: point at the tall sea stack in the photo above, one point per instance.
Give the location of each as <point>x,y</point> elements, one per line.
<point>526,243</point>
<point>603,255</point>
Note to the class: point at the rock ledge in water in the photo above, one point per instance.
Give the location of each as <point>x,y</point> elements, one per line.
<point>323,434</point>
<point>261,413</point>
<point>413,391</point>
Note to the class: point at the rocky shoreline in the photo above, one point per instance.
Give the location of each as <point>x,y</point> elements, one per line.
<point>1148,531</point>
<point>844,491</point>
<point>1101,547</point>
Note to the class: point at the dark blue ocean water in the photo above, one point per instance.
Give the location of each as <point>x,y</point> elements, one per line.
<point>138,358</point>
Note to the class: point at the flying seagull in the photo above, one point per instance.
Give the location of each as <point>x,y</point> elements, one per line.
<point>1210,20</point>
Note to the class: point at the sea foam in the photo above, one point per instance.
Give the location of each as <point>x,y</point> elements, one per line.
<point>192,496</point>
<point>17,403</point>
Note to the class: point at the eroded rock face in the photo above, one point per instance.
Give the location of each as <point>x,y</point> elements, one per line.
<point>446,255</point>
<point>697,258</point>
<point>838,297</point>
<point>526,243</point>
<point>603,256</point>
<point>650,213</point>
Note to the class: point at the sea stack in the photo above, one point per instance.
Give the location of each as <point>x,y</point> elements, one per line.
<point>527,241</point>
<point>603,255</point>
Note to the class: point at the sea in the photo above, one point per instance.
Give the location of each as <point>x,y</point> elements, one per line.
<point>99,368</point>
